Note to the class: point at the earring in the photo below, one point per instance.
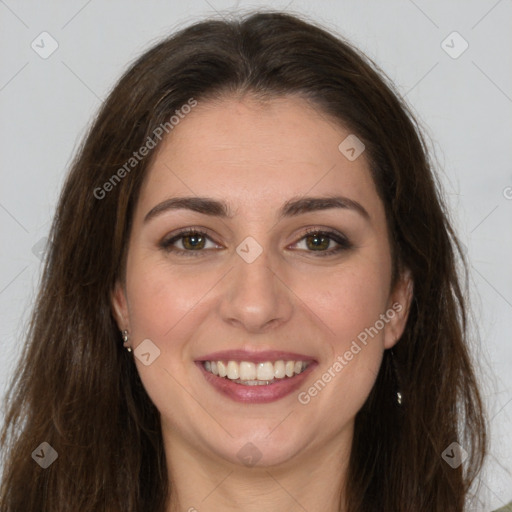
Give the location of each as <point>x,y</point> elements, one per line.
<point>125,340</point>
<point>398,395</point>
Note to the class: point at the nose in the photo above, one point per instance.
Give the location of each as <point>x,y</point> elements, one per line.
<point>256,297</point>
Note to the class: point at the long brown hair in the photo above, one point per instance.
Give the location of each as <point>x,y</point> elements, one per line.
<point>79,391</point>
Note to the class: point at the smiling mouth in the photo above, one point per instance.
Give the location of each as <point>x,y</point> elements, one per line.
<point>248,373</point>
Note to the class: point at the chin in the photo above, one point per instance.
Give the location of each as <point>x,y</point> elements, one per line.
<point>264,450</point>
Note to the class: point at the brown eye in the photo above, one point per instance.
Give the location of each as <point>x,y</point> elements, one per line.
<point>189,242</point>
<point>193,242</point>
<point>318,242</point>
<point>323,243</point>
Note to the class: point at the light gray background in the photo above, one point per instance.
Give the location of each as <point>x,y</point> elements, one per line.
<point>464,103</point>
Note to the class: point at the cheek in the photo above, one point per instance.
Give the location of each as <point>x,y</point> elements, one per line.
<point>163,308</point>
<point>348,299</point>
<point>160,298</point>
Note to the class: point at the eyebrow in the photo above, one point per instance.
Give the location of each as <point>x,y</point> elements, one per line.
<point>292,208</point>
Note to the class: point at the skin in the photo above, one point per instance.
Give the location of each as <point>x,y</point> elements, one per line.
<point>256,156</point>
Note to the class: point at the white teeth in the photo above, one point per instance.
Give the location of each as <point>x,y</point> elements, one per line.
<point>255,374</point>
<point>221,367</point>
<point>265,371</point>
<point>279,371</point>
<point>247,371</point>
<point>232,370</point>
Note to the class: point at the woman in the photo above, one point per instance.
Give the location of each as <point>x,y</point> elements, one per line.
<point>251,301</point>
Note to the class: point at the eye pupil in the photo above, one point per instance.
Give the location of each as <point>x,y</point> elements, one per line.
<point>318,240</point>
<point>194,241</point>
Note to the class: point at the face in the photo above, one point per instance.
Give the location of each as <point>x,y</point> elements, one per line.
<point>282,279</point>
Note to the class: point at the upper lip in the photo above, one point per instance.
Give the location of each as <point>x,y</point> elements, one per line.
<point>254,356</point>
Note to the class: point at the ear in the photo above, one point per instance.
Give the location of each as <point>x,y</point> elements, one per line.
<point>120,307</point>
<point>398,309</point>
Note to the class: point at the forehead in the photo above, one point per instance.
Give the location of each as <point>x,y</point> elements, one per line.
<point>255,155</point>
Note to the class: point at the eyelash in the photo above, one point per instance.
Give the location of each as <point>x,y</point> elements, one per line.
<point>343,242</point>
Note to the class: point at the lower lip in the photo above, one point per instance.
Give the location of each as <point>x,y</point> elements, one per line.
<point>256,394</point>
